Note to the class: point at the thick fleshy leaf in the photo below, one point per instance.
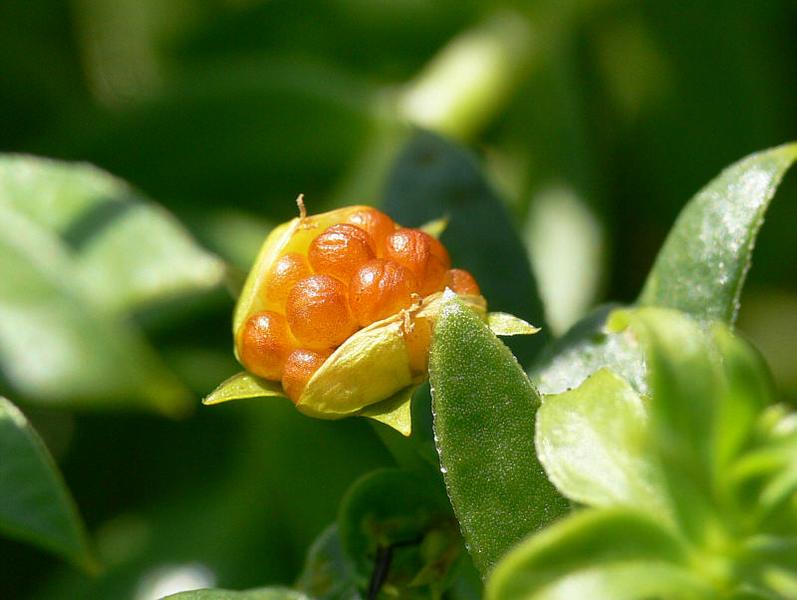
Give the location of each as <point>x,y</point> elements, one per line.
<point>484,414</point>
<point>594,443</point>
<point>432,178</point>
<point>79,251</point>
<point>702,265</point>
<point>600,554</point>
<point>328,574</point>
<point>586,348</point>
<point>241,386</point>
<point>686,384</point>
<point>274,593</point>
<point>35,505</point>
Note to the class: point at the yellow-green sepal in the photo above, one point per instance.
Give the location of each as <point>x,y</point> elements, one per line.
<point>504,324</point>
<point>436,227</point>
<point>241,386</point>
<point>394,412</point>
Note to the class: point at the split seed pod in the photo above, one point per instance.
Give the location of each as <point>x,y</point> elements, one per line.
<point>375,370</point>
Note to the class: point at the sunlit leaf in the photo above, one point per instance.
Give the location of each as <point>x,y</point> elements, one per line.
<point>586,348</point>
<point>703,263</point>
<point>484,414</point>
<point>80,252</point>
<point>600,554</point>
<point>594,443</point>
<point>35,505</point>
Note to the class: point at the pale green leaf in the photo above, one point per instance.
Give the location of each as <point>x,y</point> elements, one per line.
<point>594,443</point>
<point>600,554</point>
<point>702,266</point>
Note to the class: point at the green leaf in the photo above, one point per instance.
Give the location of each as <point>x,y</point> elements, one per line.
<point>241,386</point>
<point>35,505</point>
<point>434,177</point>
<point>686,384</point>
<point>272,593</point>
<point>585,349</point>
<point>594,443</point>
<point>600,554</point>
<point>81,252</point>
<point>484,413</point>
<point>399,519</point>
<point>128,252</point>
<point>328,573</point>
<point>703,263</point>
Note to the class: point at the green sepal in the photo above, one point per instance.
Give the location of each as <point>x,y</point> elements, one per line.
<point>504,324</point>
<point>241,386</point>
<point>395,412</point>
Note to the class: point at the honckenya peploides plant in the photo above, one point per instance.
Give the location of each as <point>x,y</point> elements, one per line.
<point>642,456</point>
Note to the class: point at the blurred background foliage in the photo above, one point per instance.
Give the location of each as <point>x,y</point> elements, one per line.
<point>594,119</point>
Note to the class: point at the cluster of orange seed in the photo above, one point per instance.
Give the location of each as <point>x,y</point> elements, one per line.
<point>354,273</point>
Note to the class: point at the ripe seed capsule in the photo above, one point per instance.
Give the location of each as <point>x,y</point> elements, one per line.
<point>380,288</point>
<point>462,282</point>
<point>299,368</point>
<point>264,344</point>
<point>285,273</point>
<point>318,312</point>
<point>378,225</point>
<point>340,250</point>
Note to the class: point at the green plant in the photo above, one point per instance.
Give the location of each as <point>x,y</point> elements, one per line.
<point>641,455</point>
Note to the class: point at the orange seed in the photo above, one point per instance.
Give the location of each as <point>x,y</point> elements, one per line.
<point>340,250</point>
<point>376,223</point>
<point>285,273</point>
<point>380,288</point>
<point>299,368</point>
<point>318,312</point>
<point>462,282</point>
<point>264,344</point>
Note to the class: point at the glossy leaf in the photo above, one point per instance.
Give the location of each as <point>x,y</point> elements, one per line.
<point>274,593</point>
<point>600,554</point>
<point>585,349</point>
<point>702,265</point>
<point>594,443</point>
<point>35,505</point>
<point>79,251</point>
<point>433,178</point>
<point>484,413</point>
